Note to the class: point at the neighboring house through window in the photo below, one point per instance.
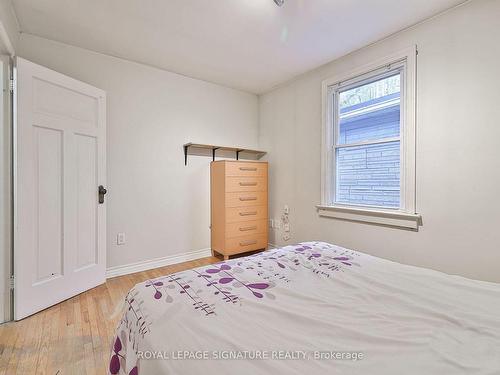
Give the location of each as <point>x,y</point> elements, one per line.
<point>368,170</point>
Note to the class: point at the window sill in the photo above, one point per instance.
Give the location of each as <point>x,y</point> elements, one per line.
<point>382,217</point>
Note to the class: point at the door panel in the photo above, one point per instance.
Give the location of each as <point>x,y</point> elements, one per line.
<point>57,100</point>
<point>48,202</point>
<point>60,234</point>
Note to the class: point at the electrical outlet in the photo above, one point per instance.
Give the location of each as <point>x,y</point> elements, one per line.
<point>286,209</point>
<point>120,238</point>
<point>286,227</point>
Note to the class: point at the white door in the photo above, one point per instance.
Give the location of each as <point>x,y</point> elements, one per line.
<point>60,226</point>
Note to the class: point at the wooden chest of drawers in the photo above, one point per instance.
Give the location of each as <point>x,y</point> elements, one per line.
<point>239,221</point>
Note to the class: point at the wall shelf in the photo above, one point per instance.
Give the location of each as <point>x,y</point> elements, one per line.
<point>210,150</point>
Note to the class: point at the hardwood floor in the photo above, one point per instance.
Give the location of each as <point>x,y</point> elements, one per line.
<point>74,336</point>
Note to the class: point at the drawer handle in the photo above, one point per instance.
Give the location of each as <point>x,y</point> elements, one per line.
<point>248,243</point>
<point>243,199</point>
<point>245,229</point>
<point>248,213</point>
<point>248,184</point>
<point>248,169</point>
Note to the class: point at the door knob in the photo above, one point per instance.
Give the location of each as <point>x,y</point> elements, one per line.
<point>102,193</point>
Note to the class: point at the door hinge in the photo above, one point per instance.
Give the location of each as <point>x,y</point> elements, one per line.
<point>11,282</point>
<point>11,85</point>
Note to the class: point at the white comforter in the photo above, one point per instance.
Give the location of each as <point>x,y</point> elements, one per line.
<point>311,308</point>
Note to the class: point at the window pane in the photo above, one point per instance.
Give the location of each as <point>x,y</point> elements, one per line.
<point>369,175</point>
<point>370,111</point>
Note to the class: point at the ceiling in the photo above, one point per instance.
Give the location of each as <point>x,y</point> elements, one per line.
<point>252,45</point>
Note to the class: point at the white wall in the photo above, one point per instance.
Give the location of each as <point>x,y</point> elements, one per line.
<point>458,148</point>
<point>9,30</point>
<point>161,205</point>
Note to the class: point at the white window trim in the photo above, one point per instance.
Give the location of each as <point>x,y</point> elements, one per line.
<point>405,217</point>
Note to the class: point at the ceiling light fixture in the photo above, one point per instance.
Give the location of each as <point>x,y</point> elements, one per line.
<point>279,2</point>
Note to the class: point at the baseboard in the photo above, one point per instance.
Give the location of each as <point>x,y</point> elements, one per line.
<point>2,307</point>
<point>156,263</point>
<point>272,246</point>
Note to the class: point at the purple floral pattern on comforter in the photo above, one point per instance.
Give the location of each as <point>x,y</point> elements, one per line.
<point>232,282</point>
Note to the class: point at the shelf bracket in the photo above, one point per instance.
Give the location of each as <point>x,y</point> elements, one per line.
<point>186,155</point>
<point>238,154</point>
<point>213,153</point>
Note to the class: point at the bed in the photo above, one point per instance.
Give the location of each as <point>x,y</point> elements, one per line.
<point>311,308</point>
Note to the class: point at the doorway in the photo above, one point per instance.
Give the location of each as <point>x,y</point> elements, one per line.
<point>5,190</point>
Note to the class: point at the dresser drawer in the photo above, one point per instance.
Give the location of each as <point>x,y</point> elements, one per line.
<point>246,228</point>
<point>239,183</point>
<point>246,169</point>
<point>256,198</point>
<point>246,243</point>
<point>242,214</point>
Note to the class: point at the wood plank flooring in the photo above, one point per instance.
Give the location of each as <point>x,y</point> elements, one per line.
<point>74,336</point>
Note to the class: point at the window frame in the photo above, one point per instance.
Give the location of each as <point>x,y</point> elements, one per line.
<point>405,216</point>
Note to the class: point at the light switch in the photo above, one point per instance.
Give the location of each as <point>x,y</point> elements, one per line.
<point>120,239</point>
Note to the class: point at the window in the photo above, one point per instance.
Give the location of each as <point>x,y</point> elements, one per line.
<point>367,124</point>
<point>369,144</point>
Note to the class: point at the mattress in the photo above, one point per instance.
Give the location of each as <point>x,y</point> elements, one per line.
<point>311,308</point>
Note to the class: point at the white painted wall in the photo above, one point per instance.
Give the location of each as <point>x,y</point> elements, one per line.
<point>458,149</point>
<point>161,205</point>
